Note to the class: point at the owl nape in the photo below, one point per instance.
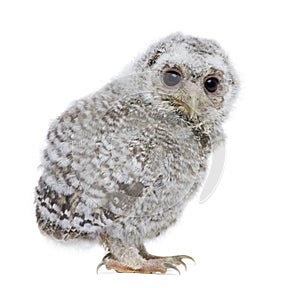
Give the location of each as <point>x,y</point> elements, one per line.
<point>121,164</point>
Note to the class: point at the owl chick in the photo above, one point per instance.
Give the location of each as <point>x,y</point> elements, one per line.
<point>121,164</point>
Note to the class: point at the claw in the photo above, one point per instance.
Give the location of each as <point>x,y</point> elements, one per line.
<point>108,255</point>
<point>186,257</point>
<point>171,266</point>
<point>178,260</point>
<point>99,266</point>
<point>182,263</point>
<point>104,261</point>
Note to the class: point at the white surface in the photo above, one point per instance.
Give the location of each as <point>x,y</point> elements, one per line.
<point>247,234</point>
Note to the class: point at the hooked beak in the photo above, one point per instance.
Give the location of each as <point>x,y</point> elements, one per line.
<point>191,106</point>
<point>192,99</point>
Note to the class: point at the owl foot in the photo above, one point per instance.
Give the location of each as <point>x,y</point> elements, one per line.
<point>153,264</point>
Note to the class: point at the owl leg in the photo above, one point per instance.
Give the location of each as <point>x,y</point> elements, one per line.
<point>125,258</point>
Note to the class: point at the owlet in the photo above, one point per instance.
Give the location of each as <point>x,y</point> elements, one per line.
<point>121,164</point>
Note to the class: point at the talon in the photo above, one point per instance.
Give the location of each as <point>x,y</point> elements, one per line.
<point>99,266</point>
<point>182,263</point>
<point>104,261</point>
<point>108,255</point>
<point>186,257</point>
<point>171,266</point>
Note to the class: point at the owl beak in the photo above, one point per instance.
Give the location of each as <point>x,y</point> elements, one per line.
<point>191,106</point>
<point>192,99</point>
<point>194,102</point>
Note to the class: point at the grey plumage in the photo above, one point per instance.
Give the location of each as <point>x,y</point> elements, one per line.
<point>121,164</point>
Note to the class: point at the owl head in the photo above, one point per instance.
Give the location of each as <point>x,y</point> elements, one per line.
<point>191,76</point>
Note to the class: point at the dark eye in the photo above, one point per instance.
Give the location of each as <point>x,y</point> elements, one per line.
<point>211,84</point>
<point>172,77</point>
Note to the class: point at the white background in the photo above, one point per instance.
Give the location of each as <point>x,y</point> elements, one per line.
<point>247,234</point>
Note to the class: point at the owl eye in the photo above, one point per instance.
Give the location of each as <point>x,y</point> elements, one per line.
<point>172,77</point>
<point>211,84</point>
